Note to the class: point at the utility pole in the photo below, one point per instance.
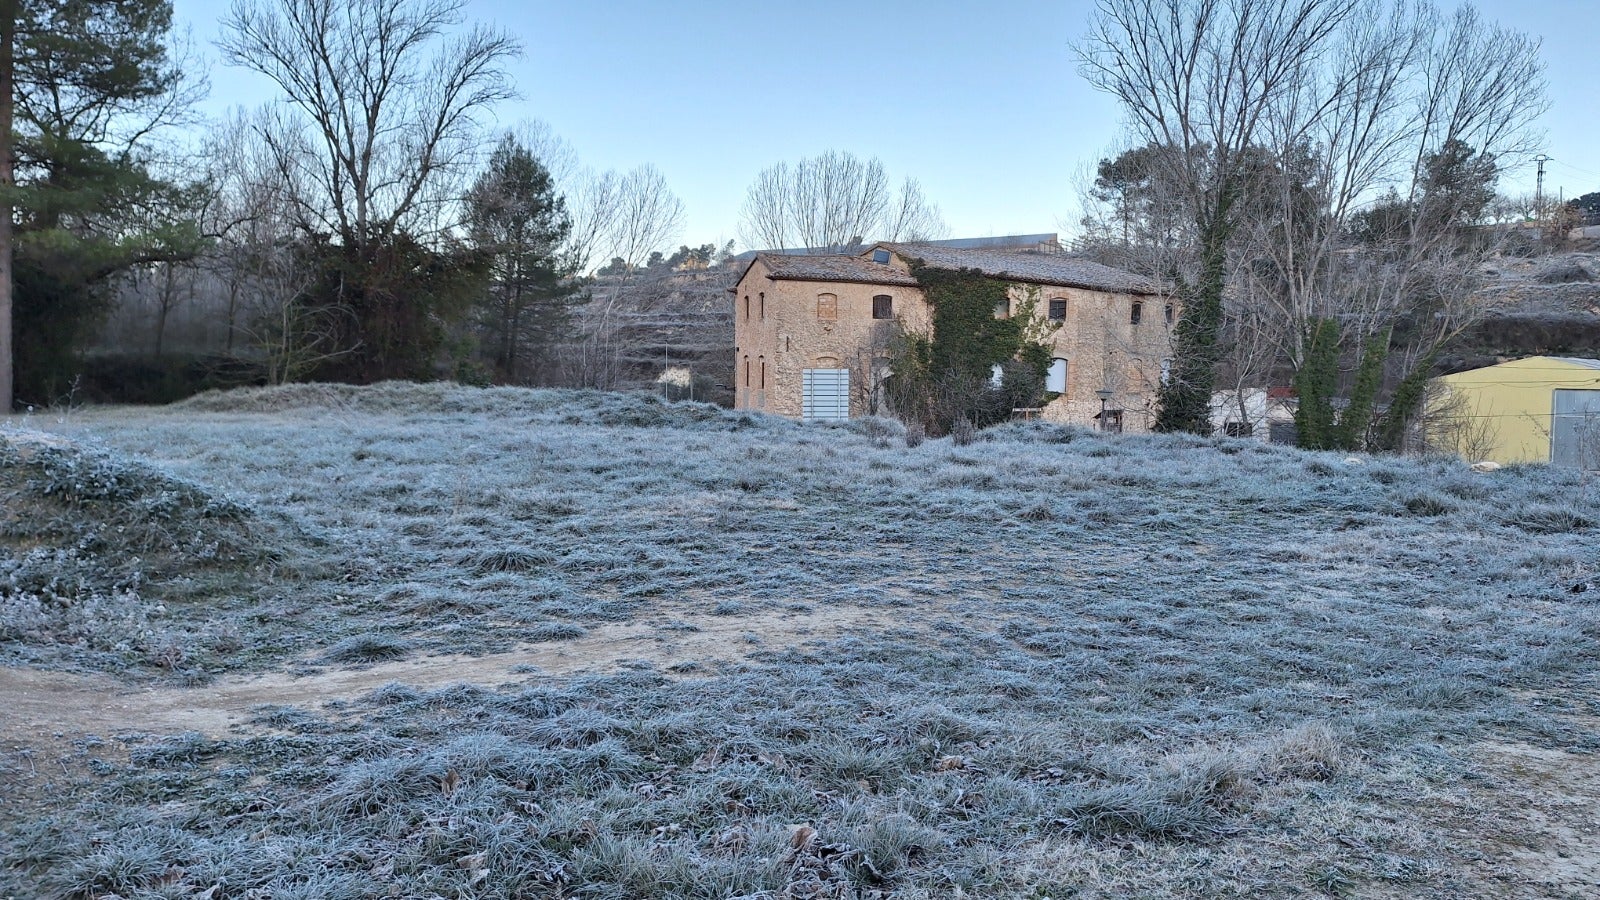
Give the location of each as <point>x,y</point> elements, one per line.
<point>1538,190</point>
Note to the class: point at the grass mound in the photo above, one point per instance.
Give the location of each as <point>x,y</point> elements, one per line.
<point>94,547</point>
<point>539,406</point>
<point>367,648</point>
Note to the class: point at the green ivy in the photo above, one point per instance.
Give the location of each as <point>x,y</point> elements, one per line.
<point>945,376</point>
<point>1316,383</point>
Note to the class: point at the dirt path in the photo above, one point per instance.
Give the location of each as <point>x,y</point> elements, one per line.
<point>1551,837</point>
<point>39,708</point>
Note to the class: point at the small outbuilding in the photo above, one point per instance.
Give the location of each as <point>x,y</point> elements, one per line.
<point>1540,409</point>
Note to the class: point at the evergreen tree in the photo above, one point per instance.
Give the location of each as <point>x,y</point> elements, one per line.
<point>516,219</point>
<point>83,84</point>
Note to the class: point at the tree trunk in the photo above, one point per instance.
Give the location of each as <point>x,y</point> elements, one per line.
<point>8,38</point>
<point>233,305</point>
<point>166,306</point>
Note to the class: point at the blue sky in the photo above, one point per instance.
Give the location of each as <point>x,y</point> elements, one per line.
<point>983,105</point>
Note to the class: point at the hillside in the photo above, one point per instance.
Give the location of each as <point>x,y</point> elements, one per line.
<point>423,640</point>
<point>1537,306</point>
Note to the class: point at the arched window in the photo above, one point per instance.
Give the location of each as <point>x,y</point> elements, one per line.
<point>747,307</point>
<point>1136,315</point>
<point>763,296</point>
<point>1056,380</point>
<point>827,307</point>
<point>747,371</point>
<point>763,361</point>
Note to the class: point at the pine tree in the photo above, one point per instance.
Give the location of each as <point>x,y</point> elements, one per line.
<point>516,218</point>
<point>84,83</point>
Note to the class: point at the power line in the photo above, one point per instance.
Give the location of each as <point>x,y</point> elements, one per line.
<point>1572,168</point>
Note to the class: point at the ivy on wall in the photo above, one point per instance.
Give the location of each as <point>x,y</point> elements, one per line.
<point>945,377</point>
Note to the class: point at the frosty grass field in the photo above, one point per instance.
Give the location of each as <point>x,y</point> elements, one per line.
<point>564,644</point>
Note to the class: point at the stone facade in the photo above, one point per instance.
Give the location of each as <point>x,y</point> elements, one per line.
<point>797,313</point>
<point>783,326</point>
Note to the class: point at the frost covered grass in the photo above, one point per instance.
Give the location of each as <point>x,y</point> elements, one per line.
<point>109,563</point>
<point>1159,666</point>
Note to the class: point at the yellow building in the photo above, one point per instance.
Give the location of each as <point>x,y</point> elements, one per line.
<point>1540,409</point>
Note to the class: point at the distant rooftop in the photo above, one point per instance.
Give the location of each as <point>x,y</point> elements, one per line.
<point>1027,266</point>
<point>836,267</point>
<point>1026,258</point>
<point>1011,241</point>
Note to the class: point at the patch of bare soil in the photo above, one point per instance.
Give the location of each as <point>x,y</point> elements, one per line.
<point>44,708</point>
<point>1548,816</point>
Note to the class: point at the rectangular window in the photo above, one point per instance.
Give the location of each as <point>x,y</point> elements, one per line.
<point>827,307</point>
<point>883,307</point>
<point>1238,429</point>
<point>1056,379</point>
<point>1137,314</point>
<point>1169,313</point>
<point>1058,309</point>
<point>880,256</point>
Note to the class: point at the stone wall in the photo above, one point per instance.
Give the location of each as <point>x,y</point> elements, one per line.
<point>1105,350</point>
<point>784,332</point>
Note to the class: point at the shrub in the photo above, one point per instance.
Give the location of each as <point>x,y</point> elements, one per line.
<point>962,433</point>
<point>557,631</point>
<point>366,648</point>
<point>1543,518</point>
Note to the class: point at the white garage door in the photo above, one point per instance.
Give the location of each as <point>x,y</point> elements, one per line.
<point>825,394</point>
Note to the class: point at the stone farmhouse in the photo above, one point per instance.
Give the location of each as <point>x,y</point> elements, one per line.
<point>812,332</point>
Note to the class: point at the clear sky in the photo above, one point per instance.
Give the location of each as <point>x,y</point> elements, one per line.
<point>981,103</point>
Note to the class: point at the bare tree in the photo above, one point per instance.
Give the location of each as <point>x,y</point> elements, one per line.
<point>1279,128</point>
<point>1201,77</point>
<point>832,200</point>
<point>386,98</point>
<point>644,216</point>
<point>626,219</point>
